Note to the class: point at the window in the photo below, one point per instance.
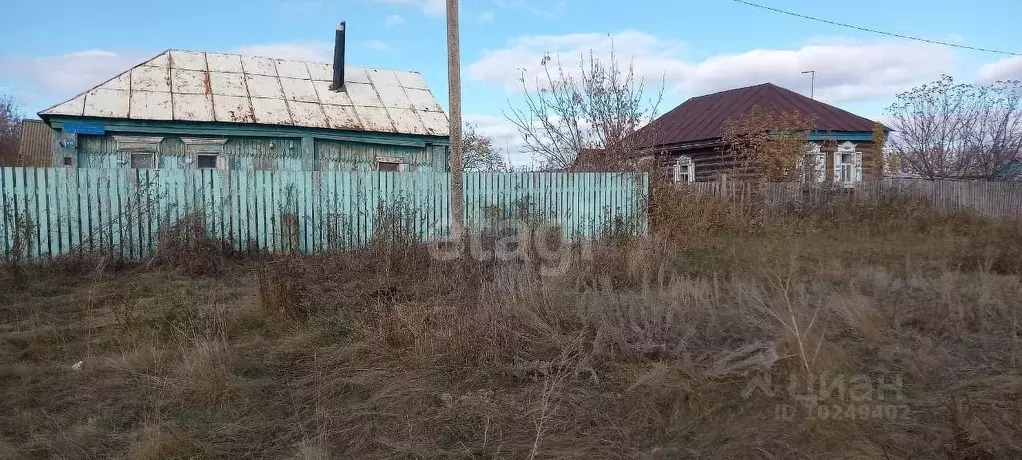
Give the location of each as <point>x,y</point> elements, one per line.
<point>847,164</point>
<point>813,168</point>
<point>684,170</point>
<point>387,166</point>
<point>846,167</point>
<point>390,164</point>
<point>143,160</point>
<point>139,152</point>
<point>206,160</point>
<point>68,161</point>
<point>205,153</point>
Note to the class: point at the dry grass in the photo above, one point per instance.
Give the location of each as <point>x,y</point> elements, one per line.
<point>645,351</point>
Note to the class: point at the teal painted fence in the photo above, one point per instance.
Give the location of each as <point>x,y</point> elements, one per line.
<point>48,212</point>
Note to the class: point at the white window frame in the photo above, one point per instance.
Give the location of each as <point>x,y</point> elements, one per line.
<point>685,163</point>
<point>847,172</point>
<point>137,145</point>
<point>195,146</point>
<point>401,165</point>
<point>814,153</point>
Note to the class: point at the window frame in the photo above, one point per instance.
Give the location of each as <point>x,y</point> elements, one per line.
<point>206,146</point>
<point>684,161</point>
<point>847,172</point>
<point>151,155</point>
<point>817,171</point>
<point>399,161</point>
<point>200,155</point>
<point>129,146</point>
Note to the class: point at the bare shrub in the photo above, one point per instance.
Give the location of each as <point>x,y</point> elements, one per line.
<point>21,230</point>
<point>283,287</point>
<point>679,214</point>
<point>186,246</point>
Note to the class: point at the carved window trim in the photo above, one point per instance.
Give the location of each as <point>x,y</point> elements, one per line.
<point>127,146</point>
<point>195,146</point>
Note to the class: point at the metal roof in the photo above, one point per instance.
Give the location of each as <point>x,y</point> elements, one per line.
<point>36,144</point>
<point>703,118</point>
<point>216,87</point>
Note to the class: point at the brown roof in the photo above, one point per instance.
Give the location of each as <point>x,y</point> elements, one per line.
<point>702,118</point>
<point>36,144</point>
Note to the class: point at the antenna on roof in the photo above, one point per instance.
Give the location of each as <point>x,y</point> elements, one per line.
<point>812,84</point>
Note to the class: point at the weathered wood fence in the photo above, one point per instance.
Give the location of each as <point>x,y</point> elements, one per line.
<point>995,200</point>
<point>46,212</point>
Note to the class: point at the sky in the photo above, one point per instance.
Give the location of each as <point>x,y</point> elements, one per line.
<point>51,51</point>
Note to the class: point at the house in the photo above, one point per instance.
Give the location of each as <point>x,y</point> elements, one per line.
<point>188,109</point>
<point>35,145</point>
<point>687,140</point>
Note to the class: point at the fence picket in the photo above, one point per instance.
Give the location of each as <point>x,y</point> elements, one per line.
<point>123,210</point>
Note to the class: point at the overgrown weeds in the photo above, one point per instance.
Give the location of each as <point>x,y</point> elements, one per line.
<point>186,246</point>
<point>848,337</point>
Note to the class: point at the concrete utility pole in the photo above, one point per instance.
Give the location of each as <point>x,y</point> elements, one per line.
<point>454,88</point>
<point>812,83</point>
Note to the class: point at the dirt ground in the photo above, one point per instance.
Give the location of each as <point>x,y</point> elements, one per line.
<point>857,340</point>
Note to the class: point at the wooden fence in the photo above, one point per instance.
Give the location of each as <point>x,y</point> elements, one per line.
<point>995,200</point>
<point>47,212</point>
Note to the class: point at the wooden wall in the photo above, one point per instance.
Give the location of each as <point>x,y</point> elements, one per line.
<point>271,153</point>
<point>711,161</point>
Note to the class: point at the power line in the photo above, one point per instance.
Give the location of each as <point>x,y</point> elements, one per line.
<point>866,29</point>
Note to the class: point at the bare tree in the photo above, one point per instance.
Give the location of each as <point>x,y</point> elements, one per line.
<point>962,131</point>
<point>10,130</point>
<point>592,113</point>
<point>478,153</point>
<point>770,146</point>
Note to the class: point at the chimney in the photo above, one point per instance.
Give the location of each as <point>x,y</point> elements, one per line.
<point>338,83</point>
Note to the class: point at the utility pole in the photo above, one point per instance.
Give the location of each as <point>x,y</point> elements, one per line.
<point>454,88</point>
<point>812,83</point>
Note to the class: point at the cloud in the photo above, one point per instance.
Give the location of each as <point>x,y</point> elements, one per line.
<point>313,51</point>
<point>430,7</point>
<point>504,136</point>
<point>47,80</point>
<point>394,20</point>
<point>1004,69</point>
<point>846,70</point>
<point>486,16</point>
<point>378,45</point>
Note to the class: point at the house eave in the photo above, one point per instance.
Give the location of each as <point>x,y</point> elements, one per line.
<point>249,129</point>
<point>839,136</point>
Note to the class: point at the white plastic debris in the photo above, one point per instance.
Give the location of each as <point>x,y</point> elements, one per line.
<point>76,366</point>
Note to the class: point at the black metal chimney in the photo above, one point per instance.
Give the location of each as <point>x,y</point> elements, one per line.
<point>338,83</point>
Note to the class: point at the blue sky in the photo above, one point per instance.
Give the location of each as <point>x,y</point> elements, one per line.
<point>50,51</point>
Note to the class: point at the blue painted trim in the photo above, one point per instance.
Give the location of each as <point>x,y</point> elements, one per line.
<point>231,129</point>
<point>95,129</point>
<point>863,136</point>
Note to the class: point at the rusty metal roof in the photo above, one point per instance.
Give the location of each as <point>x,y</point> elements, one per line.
<point>215,87</point>
<point>36,144</point>
<point>702,118</point>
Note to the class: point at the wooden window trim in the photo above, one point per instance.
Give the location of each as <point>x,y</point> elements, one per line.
<point>684,161</point>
